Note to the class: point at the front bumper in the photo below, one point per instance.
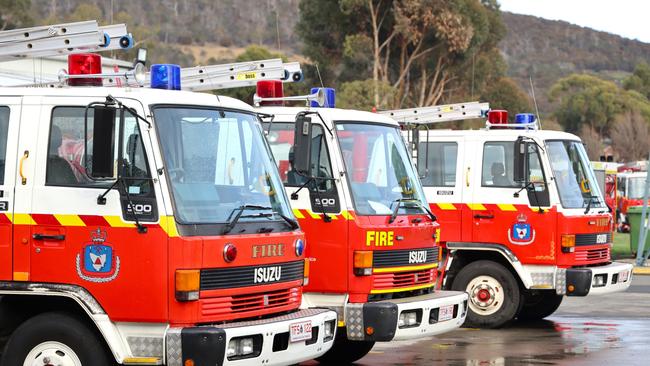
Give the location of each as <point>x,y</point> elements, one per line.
<point>614,277</point>
<point>207,345</point>
<point>383,317</point>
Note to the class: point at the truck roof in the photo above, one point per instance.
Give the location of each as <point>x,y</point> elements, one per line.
<point>541,134</point>
<point>146,95</point>
<point>332,114</point>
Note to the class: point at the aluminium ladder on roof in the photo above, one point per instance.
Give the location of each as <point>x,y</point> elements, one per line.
<point>439,113</point>
<point>238,74</point>
<point>60,39</point>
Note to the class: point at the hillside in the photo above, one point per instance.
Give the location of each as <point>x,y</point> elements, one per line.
<point>548,50</point>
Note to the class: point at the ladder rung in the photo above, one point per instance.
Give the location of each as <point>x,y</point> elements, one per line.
<point>53,45</point>
<point>47,31</point>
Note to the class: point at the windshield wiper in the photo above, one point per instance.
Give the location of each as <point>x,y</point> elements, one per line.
<point>232,222</point>
<point>291,222</point>
<point>399,202</point>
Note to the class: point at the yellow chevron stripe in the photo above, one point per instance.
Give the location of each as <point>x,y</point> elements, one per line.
<point>298,214</point>
<point>446,206</point>
<point>405,268</point>
<point>116,221</point>
<point>476,206</point>
<point>21,219</point>
<point>506,207</point>
<point>69,220</point>
<point>347,215</point>
<point>313,214</point>
<point>168,224</point>
<point>390,290</point>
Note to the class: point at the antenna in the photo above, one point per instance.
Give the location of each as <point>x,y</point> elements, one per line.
<point>532,90</point>
<point>319,77</point>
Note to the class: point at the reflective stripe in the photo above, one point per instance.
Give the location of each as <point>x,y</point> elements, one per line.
<point>446,206</point>
<point>476,206</point>
<point>22,219</point>
<point>391,290</point>
<point>405,268</point>
<point>506,207</point>
<point>69,220</point>
<point>298,214</point>
<point>116,221</point>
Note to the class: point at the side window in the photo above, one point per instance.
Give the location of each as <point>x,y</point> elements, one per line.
<point>4,130</point>
<point>135,169</point>
<point>320,159</point>
<point>538,194</point>
<point>280,139</point>
<point>439,168</point>
<point>498,160</point>
<point>68,162</point>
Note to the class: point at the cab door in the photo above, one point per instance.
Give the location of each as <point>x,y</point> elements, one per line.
<point>9,126</point>
<point>505,212</point>
<point>441,173</point>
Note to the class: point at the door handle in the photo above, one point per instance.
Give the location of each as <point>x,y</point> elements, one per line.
<point>48,237</point>
<point>23,178</point>
<point>488,216</point>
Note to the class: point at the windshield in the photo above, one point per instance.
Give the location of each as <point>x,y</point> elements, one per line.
<point>379,169</point>
<point>635,188</point>
<point>574,178</point>
<point>218,161</point>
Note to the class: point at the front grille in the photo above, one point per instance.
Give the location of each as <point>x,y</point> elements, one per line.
<point>225,307</point>
<point>592,239</point>
<point>592,255</point>
<point>396,258</point>
<point>220,278</point>
<point>402,279</point>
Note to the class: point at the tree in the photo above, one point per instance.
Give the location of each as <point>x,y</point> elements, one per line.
<point>631,136</point>
<point>416,47</point>
<point>639,80</point>
<point>586,99</point>
<point>15,14</point>
<point>504,93</point>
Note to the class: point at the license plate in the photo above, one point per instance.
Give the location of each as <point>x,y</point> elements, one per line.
<point>623,276</point>
<point>300,331</point>
<point>446,312</point>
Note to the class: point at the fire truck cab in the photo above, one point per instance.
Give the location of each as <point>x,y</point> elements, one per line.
<point>145,226</point>
<point>372,239</point>
<point>630,186</point>
<point>523,219</point>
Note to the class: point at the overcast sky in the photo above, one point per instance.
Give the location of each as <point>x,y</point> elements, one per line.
<point>628,18</point>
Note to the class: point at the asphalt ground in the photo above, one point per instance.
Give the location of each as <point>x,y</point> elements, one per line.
<point>607,330</point>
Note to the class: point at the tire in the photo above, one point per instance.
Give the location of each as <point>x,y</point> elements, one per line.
<point>494,295</point>
<point>345,351</point>
<point>64,339</point>
<point>539,304</point>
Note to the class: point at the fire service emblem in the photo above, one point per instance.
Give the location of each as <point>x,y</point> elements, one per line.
<point>97,262</point>
<point>521,233</point>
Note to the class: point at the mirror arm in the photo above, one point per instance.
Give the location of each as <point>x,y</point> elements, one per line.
<point>294,195</point>
<point>101,199</point>
<point>271,117</point>
<point>110,100</point>
<point>306,113</point>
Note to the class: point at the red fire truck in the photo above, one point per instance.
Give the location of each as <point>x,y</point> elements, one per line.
<point>146,226</point>
<point>372,238</point>
<point>523,219</point>
<point>630,189</point>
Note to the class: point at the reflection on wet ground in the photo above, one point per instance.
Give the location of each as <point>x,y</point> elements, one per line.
<point>558,341</point>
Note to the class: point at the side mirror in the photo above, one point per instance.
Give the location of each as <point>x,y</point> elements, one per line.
<point>521,146</point>
<point>302,145</point>
<point>101,164</point>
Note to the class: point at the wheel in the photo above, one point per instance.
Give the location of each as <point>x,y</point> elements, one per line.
<point>345,351</point>
<point>54,339</point>
<point>539,304</point>
<point>494,296</point>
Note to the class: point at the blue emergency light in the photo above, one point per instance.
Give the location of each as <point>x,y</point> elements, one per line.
<point>524,119</point>
<point>166,76</point>
<point>330,98</point>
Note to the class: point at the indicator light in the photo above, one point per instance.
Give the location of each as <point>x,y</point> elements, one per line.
<point>85,64</point>
<point>330,98</point>
<point>270,89</point>
<point>229,252</point>
<point>166,76</point>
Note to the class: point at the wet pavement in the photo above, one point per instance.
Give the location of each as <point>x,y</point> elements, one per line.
<point>606,330</point>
